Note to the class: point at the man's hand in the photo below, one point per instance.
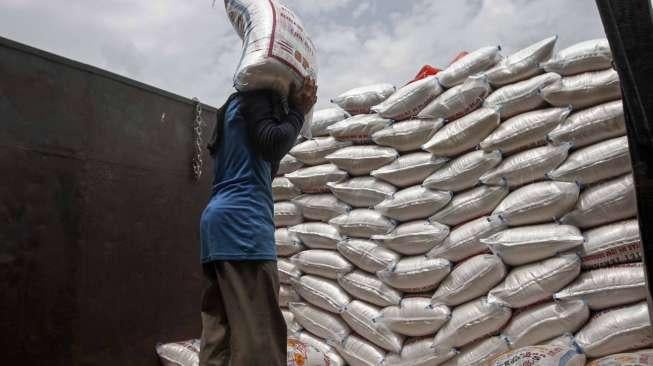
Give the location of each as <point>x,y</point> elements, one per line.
<point>305,97</point>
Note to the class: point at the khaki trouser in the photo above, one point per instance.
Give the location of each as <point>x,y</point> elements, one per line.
<point>242,324</point>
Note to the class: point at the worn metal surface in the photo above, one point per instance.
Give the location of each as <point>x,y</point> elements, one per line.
<point>629,29</point>
<point>98,214</point>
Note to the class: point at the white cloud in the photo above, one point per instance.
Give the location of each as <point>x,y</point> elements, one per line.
<point>190,48</point>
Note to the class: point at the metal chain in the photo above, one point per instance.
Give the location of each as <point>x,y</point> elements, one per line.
<point>197,159</point>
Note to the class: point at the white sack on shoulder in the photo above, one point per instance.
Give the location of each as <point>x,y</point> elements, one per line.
<point>415,317</point>
<point>409,100</point>
<point>591,125</point>
<point>468,65</point>
<point>538,202</point>
<point>520,97</point>
<point>360,100</point>
<point>410,169</point>
<point>463,134</point>
<point>527,166</point>
<point>414,237</point>
<point>535,282</point>
<point>464,241</point>
<point>522,64</point>
<point>463,172</point>
<point>470,204</point>
<point>459,100</point>
<point>585,56</point>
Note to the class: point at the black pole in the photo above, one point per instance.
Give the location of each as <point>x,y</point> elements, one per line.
<point>629,28</point>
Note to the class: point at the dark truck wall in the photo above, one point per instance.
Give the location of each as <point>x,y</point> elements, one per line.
<point>98,214</point>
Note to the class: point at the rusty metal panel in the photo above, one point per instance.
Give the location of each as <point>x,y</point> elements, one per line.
<point>99,214</point>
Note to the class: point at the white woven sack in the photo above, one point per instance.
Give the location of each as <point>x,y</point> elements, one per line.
<point>324,118</point>
<point>367,255</point>
<point>361,160</point>
<point>368,287</point>
<point>472,321</point>
<point>289,164</point>
<point>320,292</point>
<point>362,191</point>
<point>459,100</point>
<point>541,356</point>
<point>582,57</point>
<point>185,353</point>
<point>408,135</point>
<point>539,323</point>
<point>637,358</point>
<point>607,202</point>
<point>414,237</point>
<point>463,172</point>
<point>277,51</point>
<point>603,160</point>
<point>332,355</point>
<point>315,150</point>
<point>416,274</point>
<point>607,287</point>
<point>535,282</point>
<point>320,207</point>
<point>470,204</point>
<point>317,235</point>
<point>527,166</point>
<point>464,241</point>
<point>314,179</point>
<point>464,133</point>
<point>362,223</point>
<point>521,64</point>
<point>358,128</point>
<point>360,100</point>
<point>415,317</point>
<point>359,352</point>
<point>584,90</point>
<point>525,244</point>
<point>524,130</point>
<point>286,214</point>
<point>360,317</point>
<point>283,189</point>
<point>611,244</point>
<point>319,322</point>
<point>470,279</point>
<point>287,271</point>
<point>420,352</point>
<point>409,169</point>
<point>520,97</point>
<point>325,263</point>
<point>538,202</point>
<point>291,324</point>
<point>616,330</point>
<point>287,243</point>
<point>468,65</point>
<point>591,125</point>
<point>479,352</point>
<point>409,100</point>
<point>413,203</point>
<point>565,340</point>
<point>287,294</point>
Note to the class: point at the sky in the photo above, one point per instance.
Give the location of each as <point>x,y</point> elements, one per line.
<point>188,47</point>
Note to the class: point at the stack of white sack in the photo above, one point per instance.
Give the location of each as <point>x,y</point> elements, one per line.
<point>487,208</point>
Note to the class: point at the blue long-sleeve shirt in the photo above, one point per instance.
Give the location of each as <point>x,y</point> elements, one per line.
<point>238,222</point>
